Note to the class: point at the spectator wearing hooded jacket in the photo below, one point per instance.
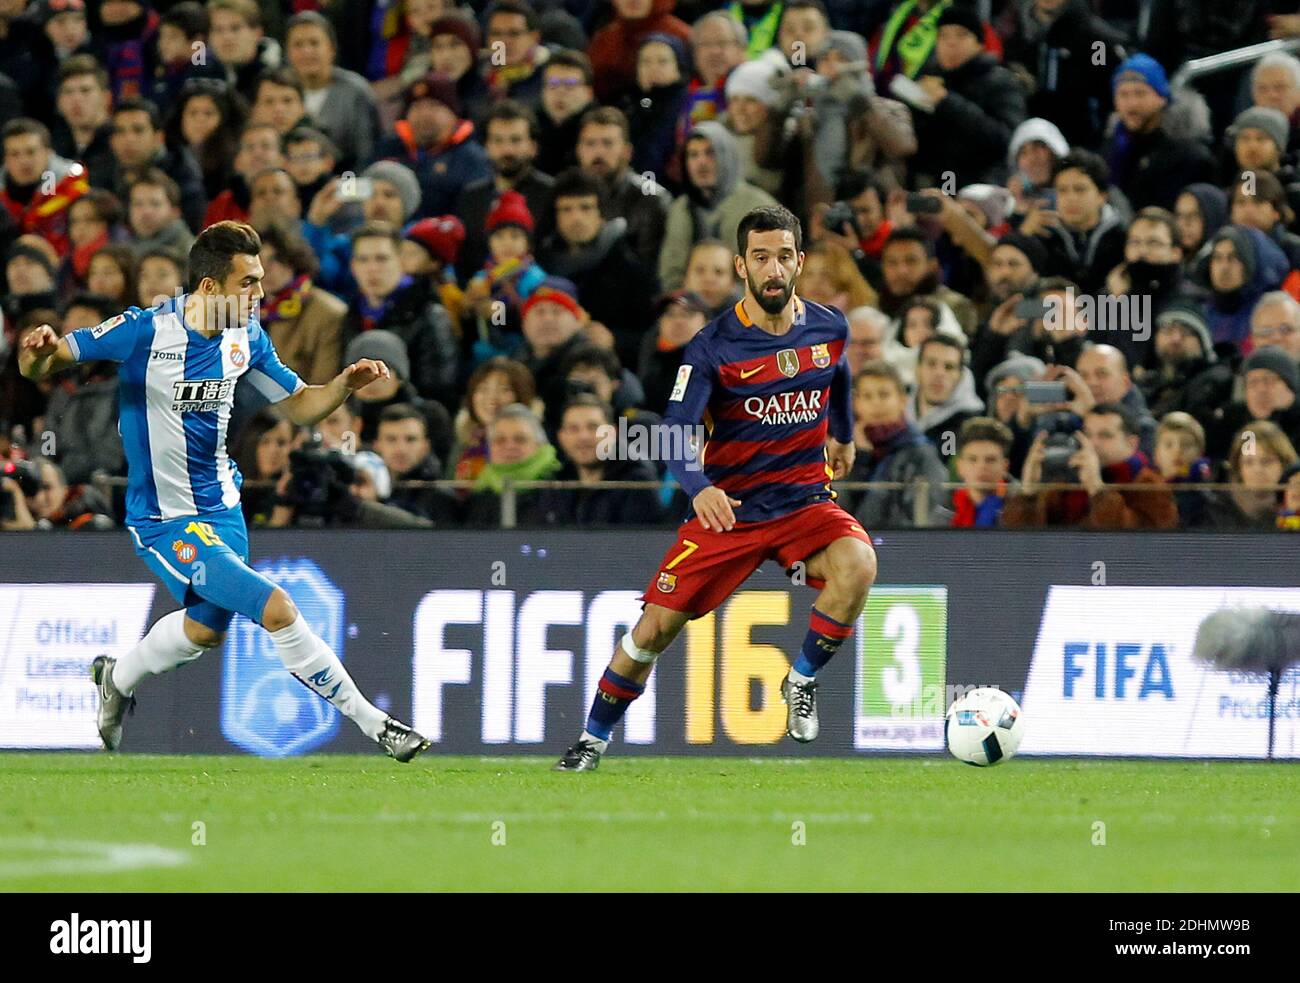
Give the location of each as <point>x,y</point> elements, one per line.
<point>889,449</point>
<point>610,47</point>
<point>1200,210</point>
<point>1035,147</point>
<point>1151,152</point>
<point>1260,202</point>
<point>976,104</point>
<point>654,105</point>
<point>945,394</point>
<point>714,201</point>
<point>1241,265</point>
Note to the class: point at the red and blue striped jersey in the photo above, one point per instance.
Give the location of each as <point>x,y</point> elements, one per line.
<point>767,403</point>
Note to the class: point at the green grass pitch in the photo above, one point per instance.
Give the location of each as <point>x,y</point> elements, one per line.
<point>334,823</point>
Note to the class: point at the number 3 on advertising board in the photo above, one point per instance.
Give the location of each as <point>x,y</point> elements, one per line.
<point>902,656</point>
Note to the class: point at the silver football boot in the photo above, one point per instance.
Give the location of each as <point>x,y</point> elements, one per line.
<point>801,716</point>
<point>113,703</point>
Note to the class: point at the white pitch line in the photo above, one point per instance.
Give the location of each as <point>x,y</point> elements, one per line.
<point>82,857</point>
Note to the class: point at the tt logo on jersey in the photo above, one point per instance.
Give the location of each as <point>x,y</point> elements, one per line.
<point>201,395</point>
<point>780,409</point>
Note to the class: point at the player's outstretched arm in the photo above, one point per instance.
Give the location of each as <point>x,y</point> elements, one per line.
<point>311,404</point>
<point>43,353</point>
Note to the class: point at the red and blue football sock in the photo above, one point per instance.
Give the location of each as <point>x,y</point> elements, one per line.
<point>824,638</point>
<point>614,694</point>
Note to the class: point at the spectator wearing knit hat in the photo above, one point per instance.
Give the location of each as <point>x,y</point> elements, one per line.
<point>1152,153</point>
<point>454,45</point>
<point>595,253</point>
<point>430,248</point>
<point>434,142</point>
<point>390,299</point>
<point>496,293</point>
<point>974,103</point>
<point>1256,141</point>
<point>613,70</point>
<point>369,402</point>
<point>1004,392</point>
<point>754,107</point>
<point>854,127</point>
<point>510,137</point>
<point>553,323</point>
<point>1187,374</point>
<point>1270,381</point>
<point>654,105</point>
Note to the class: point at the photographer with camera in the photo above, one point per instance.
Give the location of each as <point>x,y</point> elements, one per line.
<point>1104,453</point>
<point>34,495</point>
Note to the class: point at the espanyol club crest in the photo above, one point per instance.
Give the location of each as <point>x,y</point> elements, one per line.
<point>667,583</point>
<point>237,356</point>
<point>787,360</point>
<point>185,552</point>
<point>821,356</point>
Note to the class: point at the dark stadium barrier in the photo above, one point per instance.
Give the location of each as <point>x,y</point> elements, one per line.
<point>491,643</point>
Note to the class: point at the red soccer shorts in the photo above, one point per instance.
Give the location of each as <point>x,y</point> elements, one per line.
<point>704,567</point>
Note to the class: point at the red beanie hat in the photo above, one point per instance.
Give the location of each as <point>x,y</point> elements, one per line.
<point>442,236</point>
<point>510,209</point>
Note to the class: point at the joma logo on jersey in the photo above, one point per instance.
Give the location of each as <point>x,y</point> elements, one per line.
<point>201,394</point>
<point>803,406</point>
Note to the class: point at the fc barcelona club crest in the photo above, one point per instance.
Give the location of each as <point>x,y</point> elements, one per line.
<point>667,583</point>
<point>821,356</point>
<point>787,360</point>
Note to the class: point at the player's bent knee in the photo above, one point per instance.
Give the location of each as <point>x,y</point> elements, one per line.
<point>279,611</point>
<point>853,568</point>
<point>203,636</point>
<point>658,627</point>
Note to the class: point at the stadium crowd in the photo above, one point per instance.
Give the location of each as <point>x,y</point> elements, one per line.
<point>1058,268</point>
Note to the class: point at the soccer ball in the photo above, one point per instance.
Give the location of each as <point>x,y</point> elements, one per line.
<point>984,727</point>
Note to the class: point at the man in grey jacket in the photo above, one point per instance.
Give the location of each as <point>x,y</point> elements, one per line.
<point>714,202</point>
<point>339,101</point>
<point>945,393</point>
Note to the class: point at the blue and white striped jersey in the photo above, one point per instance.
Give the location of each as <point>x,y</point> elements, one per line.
<point>175,392</point>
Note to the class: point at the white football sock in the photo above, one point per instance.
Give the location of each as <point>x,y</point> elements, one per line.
<point>797,677</point>
<point>316,665</point>
<point>165,647</point>
<point>591,738</point>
